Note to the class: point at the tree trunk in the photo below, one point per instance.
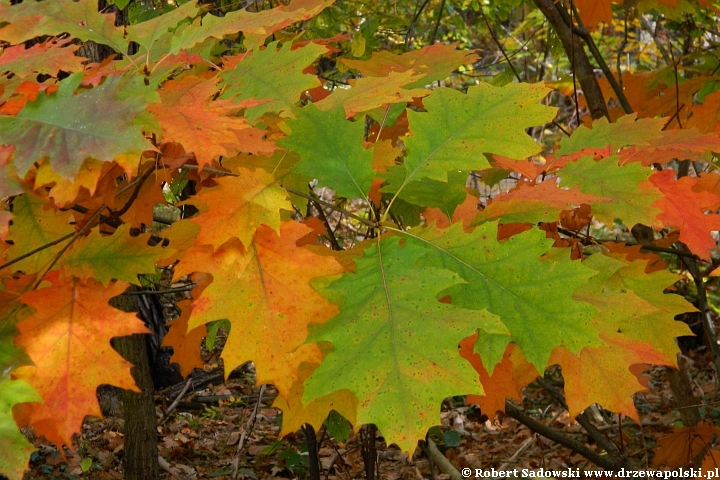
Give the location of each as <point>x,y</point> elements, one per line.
<point>141,452</point>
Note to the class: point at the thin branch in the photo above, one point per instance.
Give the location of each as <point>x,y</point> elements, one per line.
<point>582,32</point>
<point>135,193</point>
<point>187,288</point>
<point>677,88</point>
<point>418,12</point>
<point>437,22</point>
<point>331,234</point>
<point>598,436</point>
<point>442,462</point>
<point>708,324</point>
<point>645,24</point>
<point>539,427</point>
<point>497,42</point>
<point>176,402</point>
<point>33,252</point>
<point>360,219</point>
<point>249,425</point>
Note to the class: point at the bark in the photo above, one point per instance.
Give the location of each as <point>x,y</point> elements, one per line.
<point>580,61</point>
<point>140,450</point>
<point>683,391</point>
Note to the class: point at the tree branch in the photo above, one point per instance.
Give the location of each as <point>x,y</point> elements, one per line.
<point>538,427</point>
<point>574,49</point>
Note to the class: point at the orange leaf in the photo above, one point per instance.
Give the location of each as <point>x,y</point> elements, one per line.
<point>684,208</point>
<point>295,414</point>
<point>264,291</point>
<point>68,338</point>
<point>602,374</point>
<point>205,127</point>
<point>185,344</point>
<point>238,206</point>
<point>679,449</point>
<point>507,380</point>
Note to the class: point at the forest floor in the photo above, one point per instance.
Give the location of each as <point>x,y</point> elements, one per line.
<point>201,437</point>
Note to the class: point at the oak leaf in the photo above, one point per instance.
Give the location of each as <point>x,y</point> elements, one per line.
<point>395,345</point>
<point>371,92</point>
<point>270,74</point>
<point>68,339</point>
<point>68,128</point>
<point>434,62</point>
<point>206,128</point>
<point>264,290</point>
<point>237,206</point>
<point>683,207</point>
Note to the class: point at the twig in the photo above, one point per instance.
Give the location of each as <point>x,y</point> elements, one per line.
<point>187,288</point>
<point>581,32</point>
<point>708,324</point>
<point>645,24</point>
<point>677,88</point>
<point>210,170</point>
<point>442,462</point>
<point>321,213</point>
<point>418,12</point>
<point>133,196</point>
<point>246,432</point>
<point>176,402</point>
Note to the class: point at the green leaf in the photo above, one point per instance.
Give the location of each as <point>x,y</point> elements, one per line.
<point>80,20</point>
<point>67,128</point>
<point>117,256</point>
<point>427,192</point>
<point>632,201</point>
<point>256,26</point>
<point>331,150</point>
<point>271,74</point>
<point>85,464</point>
<point>147,33</point>
<point>339,428</point>
<point>632,302</point>
<point>396,346</point>
<point>533,296</point>
<point>626,131</point>
<point>458,128</point>
<point>15,450</point>
<point>212,331</point>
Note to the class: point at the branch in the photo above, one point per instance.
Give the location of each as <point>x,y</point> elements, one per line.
<point>497,42</point>
<point>599,460</point>
<point>585,35</point>
<point>574,49</point>
<point>596,435</point>
<point>442,462</point>
<point>360,219</point>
